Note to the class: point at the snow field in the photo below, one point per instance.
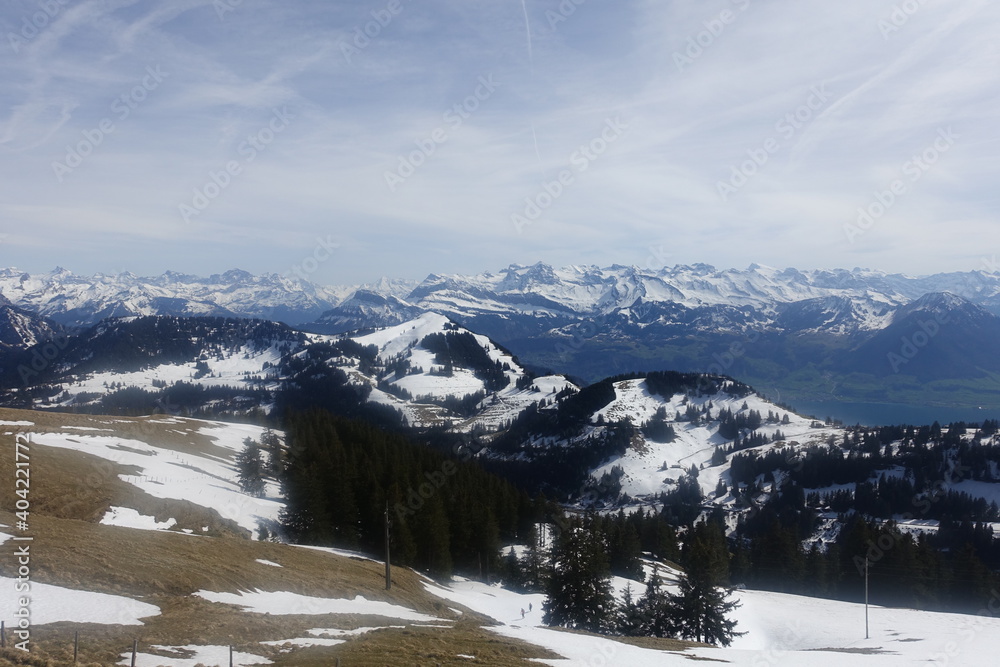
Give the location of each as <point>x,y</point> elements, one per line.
<point>228,371</point>
<point>54,604</point>
<point>205,480</point>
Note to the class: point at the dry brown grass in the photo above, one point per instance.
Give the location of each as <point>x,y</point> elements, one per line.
<point>71,491</point>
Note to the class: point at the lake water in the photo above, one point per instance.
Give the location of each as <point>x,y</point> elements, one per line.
<point>883,414</point>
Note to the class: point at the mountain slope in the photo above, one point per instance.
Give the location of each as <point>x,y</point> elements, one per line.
<point>196,585</point>
<point>812,336</point>
<point>936,336</point>
<point>424,373</point>
<point>20,328</point>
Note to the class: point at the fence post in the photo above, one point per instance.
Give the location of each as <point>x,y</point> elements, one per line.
<point>76,645</point>
<point>3,635</point>
<point>135,648</point>
<point>230,655</point>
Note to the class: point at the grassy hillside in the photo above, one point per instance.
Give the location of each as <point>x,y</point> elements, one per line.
<point>71,491</point>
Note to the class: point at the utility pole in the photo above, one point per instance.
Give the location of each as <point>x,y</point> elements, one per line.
<point>388,568</point>
<point>866,597</point>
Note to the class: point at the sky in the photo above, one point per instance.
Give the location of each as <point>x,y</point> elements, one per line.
<point>397,138</point>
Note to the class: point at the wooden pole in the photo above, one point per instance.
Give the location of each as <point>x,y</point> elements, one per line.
<point>76,645</point>
<point>3,635</point>
<point>135,649</point>
<point>230,655</point>
<point>866,597</point>
<point>388,568</point>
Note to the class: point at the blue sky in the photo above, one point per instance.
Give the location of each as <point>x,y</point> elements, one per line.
<point>398,138</point>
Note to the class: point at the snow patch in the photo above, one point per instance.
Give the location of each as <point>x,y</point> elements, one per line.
<point>55,604</point>
<point>191,656</point>
<point>127,517</point>
<point>285,603</point>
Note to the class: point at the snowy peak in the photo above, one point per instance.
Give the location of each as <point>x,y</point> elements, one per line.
<point>435,371</point>
<point>394,341</point>
<point>834,314</point>
<point>372,308</point>
<point>539,290</point>
<point>944,306</point>
<point>80,301</point>
<point>839,300</point>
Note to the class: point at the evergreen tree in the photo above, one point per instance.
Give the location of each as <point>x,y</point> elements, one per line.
<point>270,444</point>
<point>654,609</point>
<point>250,468</point>
<point>579,588</point>
<point>512,573</point>
<point>625,551</point>
<point>629,619</point>
<point>534,572</point>
<point>699,610</point>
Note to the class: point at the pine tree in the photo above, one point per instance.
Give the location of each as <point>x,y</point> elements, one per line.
<point>270,443</point>
<point>534,572</point>
<point>579,588</point>
<point>699,610</point>
<point>250,468</point>
<point>512,572</point>
<point>629,619</point>
<point>654,610</point>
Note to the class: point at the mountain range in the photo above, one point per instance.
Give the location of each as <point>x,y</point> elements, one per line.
<point>812,336</point>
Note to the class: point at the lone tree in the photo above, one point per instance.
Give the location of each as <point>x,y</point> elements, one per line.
<point>250,468</point>
<point>699,610</point>
<point>579,587</point>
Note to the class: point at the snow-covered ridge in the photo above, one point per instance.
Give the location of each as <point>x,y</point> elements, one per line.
<point>589,289</point>
<point>249,365</point>
<point>425,379</point>
<point>536,290</point>
<point>82,300</point>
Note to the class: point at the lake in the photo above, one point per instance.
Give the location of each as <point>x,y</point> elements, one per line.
<point>883,414</point>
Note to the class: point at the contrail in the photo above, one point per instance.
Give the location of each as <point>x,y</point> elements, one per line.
<point>531,61</point>
<point>527,27</point>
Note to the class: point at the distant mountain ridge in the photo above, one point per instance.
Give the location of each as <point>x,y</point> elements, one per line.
<point>862,297</point>
<point>812,335</point>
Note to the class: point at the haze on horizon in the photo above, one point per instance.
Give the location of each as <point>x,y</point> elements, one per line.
<point>401,139</point>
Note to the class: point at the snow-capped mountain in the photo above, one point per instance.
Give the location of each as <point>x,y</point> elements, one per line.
<point>574,291</point>
<point>819,335</point>
<point>432,365</point>
<point>862,297</point>
<point>83,300</point>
